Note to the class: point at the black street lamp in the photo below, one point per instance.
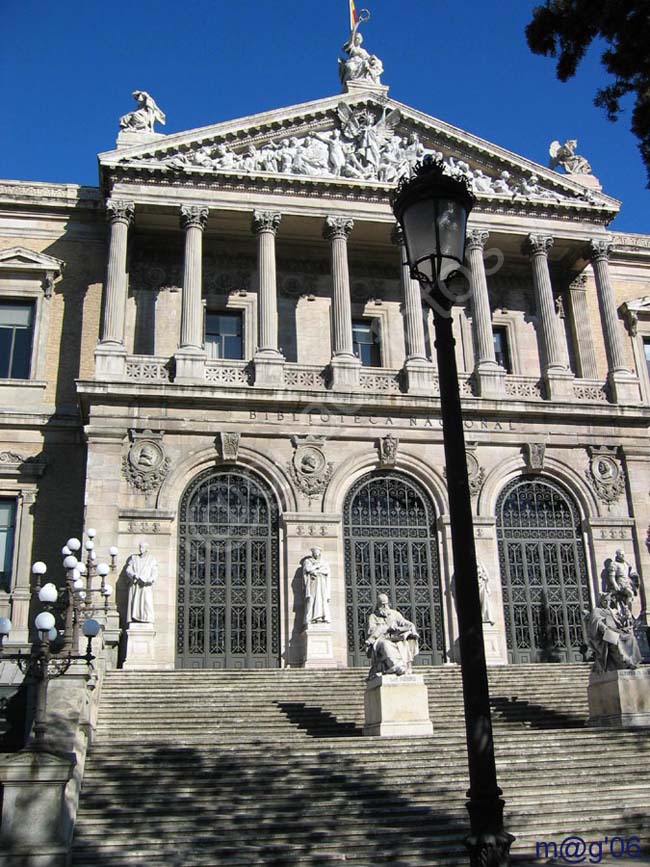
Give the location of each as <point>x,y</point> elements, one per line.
<point>432,209</point>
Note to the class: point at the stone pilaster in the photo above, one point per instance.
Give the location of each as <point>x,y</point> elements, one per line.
<point>417,368</point>
<point>345,367</point>
<point>110,355</point>
<point>581,328</point>
<point>557,378</point>
<point>21,591</point>
<point>269,361</point>
<point>624,387</point>
<point>489,376</point>
<point>190,358</point>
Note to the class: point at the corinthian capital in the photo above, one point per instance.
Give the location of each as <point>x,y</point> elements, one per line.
<point>337,227</point>
<point>599,248</point>
<point>119,211</point>
<point>194,216</point>
<point>476,239</point>
<point>265,221</point>
<point>537,245</point>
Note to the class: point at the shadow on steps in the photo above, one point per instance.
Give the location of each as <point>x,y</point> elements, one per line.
<point>316,722</point>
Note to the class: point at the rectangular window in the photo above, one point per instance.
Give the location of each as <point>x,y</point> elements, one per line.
<point>501,349</point>
<point>366,344</point>
<point>16,327</point>
<point>223,335</point>
<point>646,350</point>
<point>7,529</point>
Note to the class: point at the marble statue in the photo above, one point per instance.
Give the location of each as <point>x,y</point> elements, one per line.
<point>359,64</point>
<point>144,116</point>
<point>142,570</point>
<point>565,155</point>
<point>484,593</point>
<point>392,642</point>
<point>622,579</point>
<point>611,637</point>
<point>317,582</point>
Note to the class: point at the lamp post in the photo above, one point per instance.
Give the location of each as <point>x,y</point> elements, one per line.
<point>432,209</point>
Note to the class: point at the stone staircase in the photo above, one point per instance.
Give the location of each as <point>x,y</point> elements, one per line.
<point>270,768</point>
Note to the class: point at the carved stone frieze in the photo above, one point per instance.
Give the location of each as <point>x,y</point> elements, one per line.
<point>534,456</point>
<point>605,473</point>
<point>146,466</point>
<point>228,445</point>
<point>309,468</point>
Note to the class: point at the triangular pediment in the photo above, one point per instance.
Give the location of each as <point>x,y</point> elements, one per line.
<point>357,141</point>
<point>22,259</point>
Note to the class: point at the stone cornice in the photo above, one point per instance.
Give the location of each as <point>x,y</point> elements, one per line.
<point>52,195</point>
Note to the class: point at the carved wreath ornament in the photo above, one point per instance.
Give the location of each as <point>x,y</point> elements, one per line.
<point>145,467</point>
<point>605,474</point>
<point>309,468</point>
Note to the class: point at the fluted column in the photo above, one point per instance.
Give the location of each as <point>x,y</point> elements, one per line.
<point>554,371</point>
<point>623,386</point>
<point>345,367</point>
<point>418,369</point>
<point>488,374</point>
<point>269,361</point>
<point>194,219</point>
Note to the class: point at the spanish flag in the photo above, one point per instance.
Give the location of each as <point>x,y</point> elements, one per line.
<point>353,15</point>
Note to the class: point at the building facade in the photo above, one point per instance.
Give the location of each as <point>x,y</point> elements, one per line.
<point>220,352</point>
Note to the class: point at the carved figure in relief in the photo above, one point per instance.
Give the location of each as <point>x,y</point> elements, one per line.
<point>142,570</point>
<point>565,155</point>
<point>611,637</point>
<point>485,592</point>
<point>147,113</point>
<point>622,578</point>
<point>392,642</point>
<point>317,583</point>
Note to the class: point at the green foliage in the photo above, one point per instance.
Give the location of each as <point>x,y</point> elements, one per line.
<point>566,28</point>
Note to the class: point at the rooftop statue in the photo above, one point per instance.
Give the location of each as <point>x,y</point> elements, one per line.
<point>565,155</point>
<point>359,65</point>
<point>145,115</point>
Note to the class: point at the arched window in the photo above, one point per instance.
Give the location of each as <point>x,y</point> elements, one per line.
<point>543,571</point>
<point>390,547</point>
<point>228,595</point>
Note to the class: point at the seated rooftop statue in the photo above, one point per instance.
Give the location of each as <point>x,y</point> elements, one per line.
<point>392,642</point>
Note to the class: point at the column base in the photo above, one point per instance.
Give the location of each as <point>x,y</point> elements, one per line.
<point>495,653</point>
<point>319,646</point>
<point>345,373</point>
<point>620,698</point>
<point>140,648</point>
<point>190,367</point>
<point>269,369</point>
<point>418,373</point>
<point>110,361</point>
<point>559,385</point>
<point>623,387</point>
<point>490,380</point>
<point>397,706</point>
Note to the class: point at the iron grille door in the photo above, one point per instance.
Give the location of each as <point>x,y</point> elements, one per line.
<point>543,571</point>
<point>228,598</point>
<point>391,547</point>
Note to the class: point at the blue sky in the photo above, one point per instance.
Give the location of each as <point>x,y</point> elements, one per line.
<point>67,70</point>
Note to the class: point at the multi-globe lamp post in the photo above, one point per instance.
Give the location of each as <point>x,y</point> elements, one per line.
<point>432,209</point>
<point>53,653</point>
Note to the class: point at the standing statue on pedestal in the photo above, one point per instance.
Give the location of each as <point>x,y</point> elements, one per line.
<point>360,65</point>
<point>392,642</point>
<point>622,579</point>
<point>145,115</point>
<point>610,635</point>
<point>316,581</point>
<point>484,593</point>
<point>142,570</point>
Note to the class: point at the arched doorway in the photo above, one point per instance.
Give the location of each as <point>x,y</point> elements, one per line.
<point>390,546</point>
<point>543,571</point>
<point>228,596</point>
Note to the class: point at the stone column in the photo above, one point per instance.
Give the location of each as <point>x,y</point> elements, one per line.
<point>557,379</point>
<point>269,361</point>
<point>345,367</point>
<point>488,374</point>
<point>581,328</point>
<point>418,370</point>
<point>21,590</point>
<point>624,387</point>
<point>110,354</point>
<point>190,357</point>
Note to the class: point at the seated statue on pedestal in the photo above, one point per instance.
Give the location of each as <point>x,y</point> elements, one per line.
<point>392,642</point>
<point>610,635</point>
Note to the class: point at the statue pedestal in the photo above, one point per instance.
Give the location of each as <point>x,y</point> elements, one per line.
<point>397,706</point>
<point>492,644</point>
<point>319,647</point>
<point>140,651</point>
<point>620,698</point>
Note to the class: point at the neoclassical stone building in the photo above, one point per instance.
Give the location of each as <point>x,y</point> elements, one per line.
<point>219,351</point>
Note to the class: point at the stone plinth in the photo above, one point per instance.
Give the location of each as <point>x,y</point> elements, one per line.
<point>140,647</point>
<point>190,367</point>
<point>419,376</point>
<point>397,706</point>
<point>319,646</point>
<point>345,373</point>
<point>620,698</point>
<point>492,644</point>
<point>269,369</point>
